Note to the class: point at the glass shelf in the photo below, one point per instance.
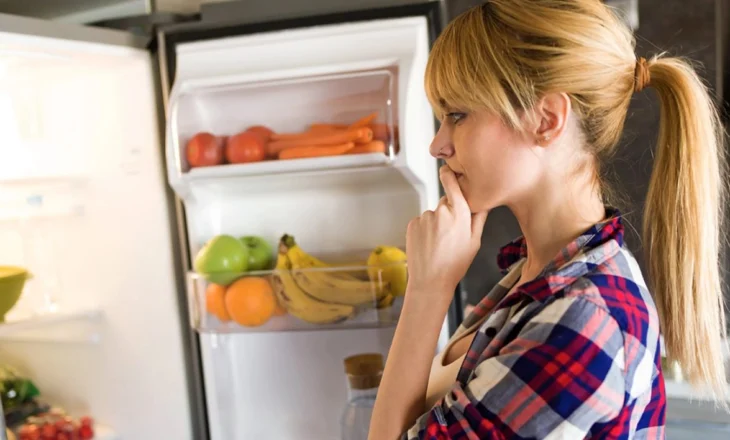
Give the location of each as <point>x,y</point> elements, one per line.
<point>322,298</point>
<point>43,197</point>
<point>70,327</point>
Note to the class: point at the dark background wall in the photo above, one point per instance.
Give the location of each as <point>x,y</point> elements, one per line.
<point>677,26</point>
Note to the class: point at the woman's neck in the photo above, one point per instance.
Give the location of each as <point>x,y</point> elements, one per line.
<point>552,216</point>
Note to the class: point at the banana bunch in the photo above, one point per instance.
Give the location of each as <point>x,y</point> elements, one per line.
<point>298,303</point>
<point>313,292</point>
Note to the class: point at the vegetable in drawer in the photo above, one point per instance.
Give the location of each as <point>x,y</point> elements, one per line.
<point>321,139</point>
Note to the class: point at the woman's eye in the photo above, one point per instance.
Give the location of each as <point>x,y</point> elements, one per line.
<point>455,117</point>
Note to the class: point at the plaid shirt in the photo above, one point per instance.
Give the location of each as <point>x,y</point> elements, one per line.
<point>572,354</point>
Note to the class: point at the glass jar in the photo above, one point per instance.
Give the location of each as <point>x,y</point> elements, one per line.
<point>363,378</point>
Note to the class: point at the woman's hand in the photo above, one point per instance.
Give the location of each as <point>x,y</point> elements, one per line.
<point>441,244</point>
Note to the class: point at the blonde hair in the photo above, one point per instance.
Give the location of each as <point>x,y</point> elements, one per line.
<point>504,55</point>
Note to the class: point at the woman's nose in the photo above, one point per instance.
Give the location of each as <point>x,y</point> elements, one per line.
<point>441,146</point>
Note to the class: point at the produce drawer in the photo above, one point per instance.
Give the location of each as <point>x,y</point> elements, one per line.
<point>302,292</point>
<point>254,126</point>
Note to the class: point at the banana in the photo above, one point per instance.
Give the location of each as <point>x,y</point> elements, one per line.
<point>301,305</point>
<point>304,260</point>
<point>324,286</point>
<point>386,301</point>
<point>388,264</point>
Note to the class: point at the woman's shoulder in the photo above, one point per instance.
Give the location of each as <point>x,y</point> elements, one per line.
<point>617,286</point>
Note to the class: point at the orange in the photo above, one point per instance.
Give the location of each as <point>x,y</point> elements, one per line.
<point>215,295</point>
<point>250,301</point>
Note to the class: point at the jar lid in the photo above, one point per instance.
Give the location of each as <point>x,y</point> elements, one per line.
<point>365,364</point>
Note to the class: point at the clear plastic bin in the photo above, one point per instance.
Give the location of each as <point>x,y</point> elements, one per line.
<point>298,299</point>
<point>283,125</point>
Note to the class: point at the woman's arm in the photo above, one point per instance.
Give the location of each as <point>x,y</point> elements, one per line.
<point>440,246</point>
<point>402,391</point>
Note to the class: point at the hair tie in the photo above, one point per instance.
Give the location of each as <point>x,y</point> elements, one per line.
<point>642,75</point>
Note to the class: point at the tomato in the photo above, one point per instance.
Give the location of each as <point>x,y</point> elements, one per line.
<point>86,432</point>
<point>205,149</point>
<point>30,432</point>
<point>262,131</point>
<point>49,431</point>
<point>86,421</point>
<point>245,147</point>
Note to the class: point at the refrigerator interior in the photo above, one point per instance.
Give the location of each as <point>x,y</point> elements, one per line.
<point>83,207</point>
<point>286,378</point>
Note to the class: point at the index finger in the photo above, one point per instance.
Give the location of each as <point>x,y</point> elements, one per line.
<point>452,189</point>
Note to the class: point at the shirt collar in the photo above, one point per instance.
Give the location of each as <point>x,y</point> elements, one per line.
<point>600,242</point>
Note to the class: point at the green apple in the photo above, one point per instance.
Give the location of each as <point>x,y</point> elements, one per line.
<point>222,259</point>
<point>260,252</point>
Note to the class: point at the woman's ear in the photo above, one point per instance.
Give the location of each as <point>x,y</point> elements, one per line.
<point>551,117</point>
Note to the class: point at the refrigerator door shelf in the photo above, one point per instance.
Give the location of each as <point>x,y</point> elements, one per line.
<point>288,103</point>
<point>309,298</point>
<point>289,79</point>
<point>289,168</point>
<point>83,327</point>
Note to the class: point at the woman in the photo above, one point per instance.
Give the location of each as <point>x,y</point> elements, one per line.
<point>532,97</point>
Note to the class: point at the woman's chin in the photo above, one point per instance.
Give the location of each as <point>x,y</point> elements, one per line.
<point>477,204</point>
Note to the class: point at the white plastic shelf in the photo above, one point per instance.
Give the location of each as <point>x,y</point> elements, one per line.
<point>71,327</point>
<point>273,167</point>
<point>41,197</point>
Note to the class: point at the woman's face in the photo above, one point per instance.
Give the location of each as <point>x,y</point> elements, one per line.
<point>495,165</point>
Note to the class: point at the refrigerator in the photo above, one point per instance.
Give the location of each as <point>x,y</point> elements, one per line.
<point>101,201</point>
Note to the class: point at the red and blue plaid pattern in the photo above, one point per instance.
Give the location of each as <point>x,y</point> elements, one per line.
<point>572,354</point>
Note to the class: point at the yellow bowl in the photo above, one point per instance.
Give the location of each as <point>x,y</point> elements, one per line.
<point>12,280</point>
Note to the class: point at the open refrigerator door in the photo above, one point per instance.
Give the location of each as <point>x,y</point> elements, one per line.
<point>83,208</point>
<point>311,137</point>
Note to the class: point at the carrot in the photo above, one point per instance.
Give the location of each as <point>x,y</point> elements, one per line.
<point>313,129</point>
<point>370,147</point>
<point>320,128</point>
<point>291,136</point>
<point>382,131</point>
<point>316,151</point>
<point>359,135</point>
<point>365,121</point>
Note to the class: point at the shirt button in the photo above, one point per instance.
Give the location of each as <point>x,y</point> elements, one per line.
<point>491,332</point>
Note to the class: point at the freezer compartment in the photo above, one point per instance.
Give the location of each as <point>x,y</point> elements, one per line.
<point>309,294</point>
<point>250,125</point>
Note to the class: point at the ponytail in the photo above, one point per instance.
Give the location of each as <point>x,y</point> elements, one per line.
<point>682,224</point>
